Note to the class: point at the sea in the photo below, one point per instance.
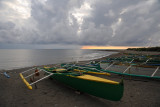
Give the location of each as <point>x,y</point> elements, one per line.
<point>20,58</point>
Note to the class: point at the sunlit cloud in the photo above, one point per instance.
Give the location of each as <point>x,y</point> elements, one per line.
<point>143,7</point>
<point>79,14</point>
<point>18,9</point>
<point>123,11</point>
<point>115,26</point>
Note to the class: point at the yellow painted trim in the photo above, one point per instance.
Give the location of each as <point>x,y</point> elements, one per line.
<point>91,72</point>
<point>100,73</point>
<point>24,80</point>
<point>46,67</point>
<point>60,69</point>
<point>79,70</point>
<point>97,79</point>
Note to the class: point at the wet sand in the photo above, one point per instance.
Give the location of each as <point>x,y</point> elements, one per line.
<point>139,92</point>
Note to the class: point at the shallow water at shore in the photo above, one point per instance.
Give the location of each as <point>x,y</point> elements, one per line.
<point>19,58</point>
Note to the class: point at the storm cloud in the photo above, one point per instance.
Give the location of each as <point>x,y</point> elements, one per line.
<point>72,23</point>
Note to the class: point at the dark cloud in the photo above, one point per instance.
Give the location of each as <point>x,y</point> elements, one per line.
<point>139,22</point>
<point>80,22</point>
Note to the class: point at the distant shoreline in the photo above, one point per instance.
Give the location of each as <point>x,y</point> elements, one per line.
<point>153,49</point>
<point>117,50</point>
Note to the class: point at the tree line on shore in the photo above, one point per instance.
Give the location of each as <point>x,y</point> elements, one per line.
<point>146,49</point>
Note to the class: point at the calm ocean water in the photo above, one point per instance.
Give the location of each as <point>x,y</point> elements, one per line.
<point>19,58</point>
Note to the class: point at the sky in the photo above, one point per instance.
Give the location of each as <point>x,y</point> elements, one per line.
<point>74,24</point>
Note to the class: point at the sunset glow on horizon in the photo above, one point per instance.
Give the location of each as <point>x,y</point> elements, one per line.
<point>108,47</point>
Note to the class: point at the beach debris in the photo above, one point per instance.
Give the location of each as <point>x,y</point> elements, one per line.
<point>6,75</point>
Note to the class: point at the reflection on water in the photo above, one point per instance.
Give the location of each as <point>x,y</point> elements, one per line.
<point>10,59</point>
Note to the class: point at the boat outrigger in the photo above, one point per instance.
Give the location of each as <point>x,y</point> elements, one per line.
<point>131,63</point>
<point>77,79</point>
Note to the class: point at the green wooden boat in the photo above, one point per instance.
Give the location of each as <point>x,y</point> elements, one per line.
<point>93,85</point>
<point>96,86</point>
<point>120,73</point>
<point>67,67</point>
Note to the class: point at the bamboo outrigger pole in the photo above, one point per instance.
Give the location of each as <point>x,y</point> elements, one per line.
<point>127,68</point>
<point>109,66</point>
<point>29,84</point>
<point>31,74</point>
<point>42,78</point>
<point>155,72</point>
<point>131,61</point>
<point>147,60</point>
<point>28,70</point>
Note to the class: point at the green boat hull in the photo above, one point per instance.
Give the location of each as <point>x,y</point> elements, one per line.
<point>107,91</point>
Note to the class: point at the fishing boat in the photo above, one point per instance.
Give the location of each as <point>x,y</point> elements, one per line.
<point>93,85</point>
<point>76,68</point>
<point>129,66</point>
<point>125,72</point>
<point>80,68</point>
<point>152,76</point>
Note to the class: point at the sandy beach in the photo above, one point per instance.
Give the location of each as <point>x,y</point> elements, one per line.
<point>138,92</point>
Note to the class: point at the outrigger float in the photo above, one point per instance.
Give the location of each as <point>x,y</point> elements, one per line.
<point>79,80</point>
